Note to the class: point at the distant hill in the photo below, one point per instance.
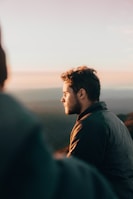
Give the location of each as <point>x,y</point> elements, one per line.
<point>118,101</point>
<point>46,104</point>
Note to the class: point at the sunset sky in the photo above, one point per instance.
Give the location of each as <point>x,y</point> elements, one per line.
<point>55,35</point>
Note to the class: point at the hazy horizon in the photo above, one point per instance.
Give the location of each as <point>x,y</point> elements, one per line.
<point>110,79</point>
<point>47,105</point>
<point>118,100</point>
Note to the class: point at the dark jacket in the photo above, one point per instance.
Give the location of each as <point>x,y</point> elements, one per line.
<point>27,168</point>
<point>100,138</point>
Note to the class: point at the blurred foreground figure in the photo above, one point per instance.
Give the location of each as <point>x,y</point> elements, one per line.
<point>27,168</point>
<point>3,68</point>
<point>98,137</point>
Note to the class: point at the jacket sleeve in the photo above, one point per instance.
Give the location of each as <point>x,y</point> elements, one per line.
<point>89,142</point>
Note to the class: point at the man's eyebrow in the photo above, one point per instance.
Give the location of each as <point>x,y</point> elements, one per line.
<point>65,91</point>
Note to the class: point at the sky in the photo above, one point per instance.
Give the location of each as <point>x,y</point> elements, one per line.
<point>55,35</point>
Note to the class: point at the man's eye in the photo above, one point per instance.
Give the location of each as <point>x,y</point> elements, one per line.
<point>64,94</point>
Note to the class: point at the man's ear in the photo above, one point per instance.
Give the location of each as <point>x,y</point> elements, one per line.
<point>82,93</point>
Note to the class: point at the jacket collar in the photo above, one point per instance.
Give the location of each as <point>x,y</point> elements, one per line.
<point>94,107</point>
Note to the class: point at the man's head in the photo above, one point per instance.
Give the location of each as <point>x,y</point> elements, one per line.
<point>3,66</point>
<point>81,88</point>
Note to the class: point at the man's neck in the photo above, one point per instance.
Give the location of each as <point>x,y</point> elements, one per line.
<point>94,106</point>
<point>87,105</point>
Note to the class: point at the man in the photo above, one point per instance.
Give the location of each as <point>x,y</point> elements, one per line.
<point>98,137</point>
<point>27,168</point>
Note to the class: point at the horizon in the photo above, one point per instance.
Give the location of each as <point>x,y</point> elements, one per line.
<point>110,79</point>
<point>119,101</point>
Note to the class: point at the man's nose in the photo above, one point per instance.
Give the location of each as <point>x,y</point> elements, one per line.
<point>62,99</point>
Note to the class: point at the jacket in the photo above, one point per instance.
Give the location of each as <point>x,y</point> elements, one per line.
<point>101,139</point>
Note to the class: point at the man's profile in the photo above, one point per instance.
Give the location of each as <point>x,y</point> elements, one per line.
<point>98,137</point>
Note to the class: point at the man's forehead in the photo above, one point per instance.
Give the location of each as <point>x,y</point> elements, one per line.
<point>66,86</point>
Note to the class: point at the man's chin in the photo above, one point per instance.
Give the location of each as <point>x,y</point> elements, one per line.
<point>69,113</point>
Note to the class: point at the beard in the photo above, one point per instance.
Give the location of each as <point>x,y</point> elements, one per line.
<point>74,108</point>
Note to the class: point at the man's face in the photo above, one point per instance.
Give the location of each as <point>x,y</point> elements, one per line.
<point>70,100</point>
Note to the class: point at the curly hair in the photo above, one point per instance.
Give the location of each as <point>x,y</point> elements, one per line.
<point>83,77</point>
